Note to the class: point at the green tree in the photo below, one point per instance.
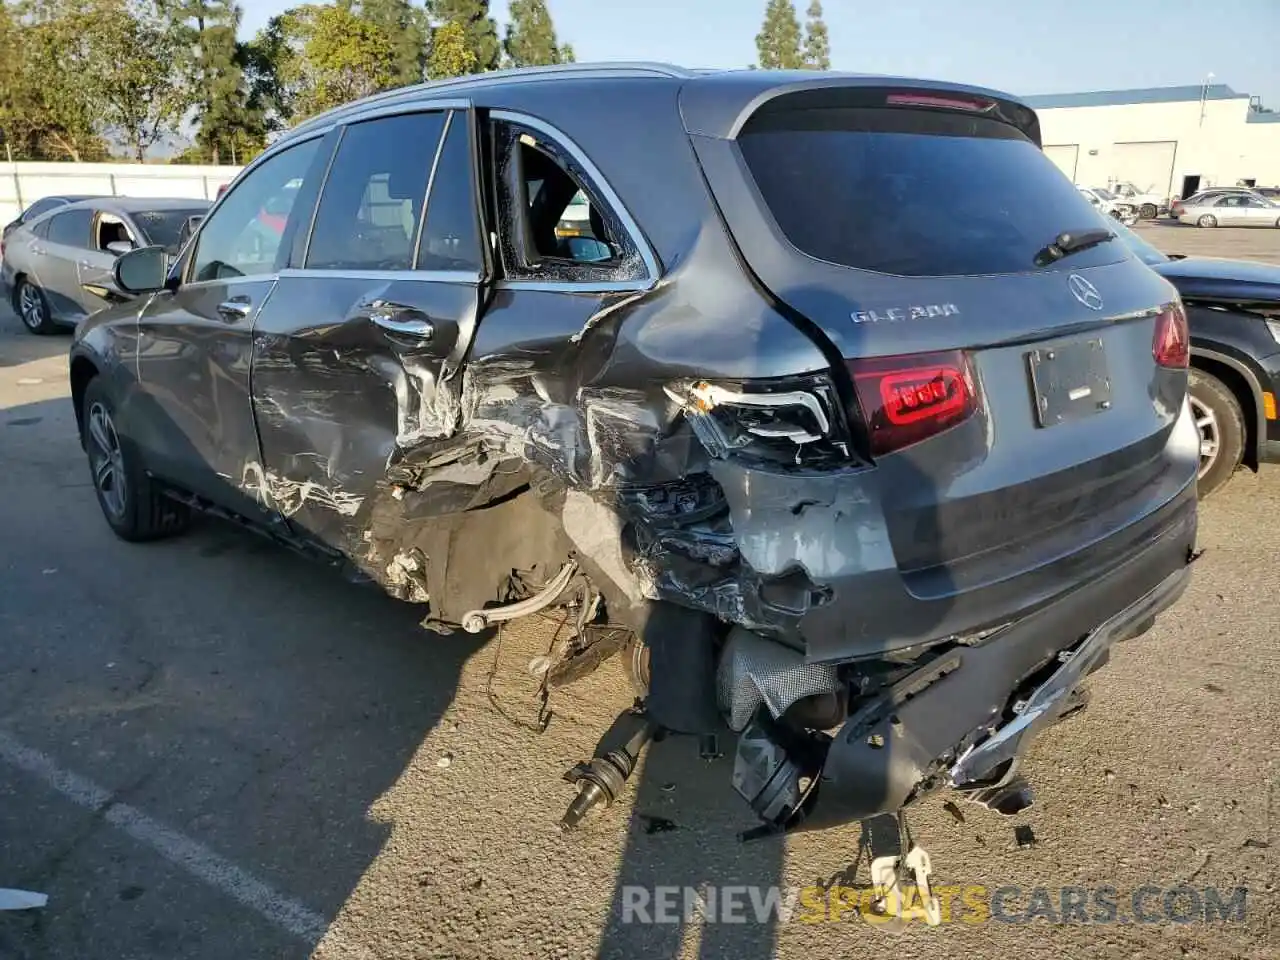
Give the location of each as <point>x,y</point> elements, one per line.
<point>778,42</point>
<point>324,56</point>
<point>407,27</point>
<point>479,29</point>
<point>531,36</point>
<point>450,54</point>
<point>817,45</point>
<point>133,71</point>
<point>46,108</point>
<point>228,126</point>
<point>263,57</point>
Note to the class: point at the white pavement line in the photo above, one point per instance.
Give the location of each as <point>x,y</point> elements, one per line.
<point>180,850</point>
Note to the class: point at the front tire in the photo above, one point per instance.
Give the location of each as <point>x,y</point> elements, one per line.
<point>1208,220</point>
<point>1148,211</point>
<point>1220,421</point>
<point>33,308</point>
<point>131,502</point>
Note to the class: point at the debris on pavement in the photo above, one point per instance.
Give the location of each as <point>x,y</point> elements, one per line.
<point>22,899</point>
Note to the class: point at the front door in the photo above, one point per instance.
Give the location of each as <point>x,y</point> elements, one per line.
<point>96,287</point>
<point>195,342</point>
<point>357,356</point>
<point>1259,213</point>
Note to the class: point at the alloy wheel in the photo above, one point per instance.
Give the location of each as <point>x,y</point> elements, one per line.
<point>1210,436</point>
<point>31,307</point>
<point>106,458</point>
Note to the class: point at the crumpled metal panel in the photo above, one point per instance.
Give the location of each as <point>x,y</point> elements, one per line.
<point>753,671</point>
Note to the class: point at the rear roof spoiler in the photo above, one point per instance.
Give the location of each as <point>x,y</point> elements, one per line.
<point>719,105</point>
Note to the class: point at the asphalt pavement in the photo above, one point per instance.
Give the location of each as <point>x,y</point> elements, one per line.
<point>212,748</point>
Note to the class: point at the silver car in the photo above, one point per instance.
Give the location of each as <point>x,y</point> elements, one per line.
<point>1230,210</point>
<point>56,268</point>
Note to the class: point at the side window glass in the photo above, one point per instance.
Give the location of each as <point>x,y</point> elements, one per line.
<point>451,236</point>
<point>372,201</point>
<point>242,237</point>
<point>39,207</point>
<point>555,226</point>
<point>111,230</point>
<point>41,229</point>
<point>71,228</point>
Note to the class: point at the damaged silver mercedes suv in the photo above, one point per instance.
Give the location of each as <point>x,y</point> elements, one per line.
<point>824,400</point>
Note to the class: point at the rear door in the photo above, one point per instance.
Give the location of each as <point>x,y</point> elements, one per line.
<point>194,418</point>
<point>913,229</point>
<point>357,355</point>
<point>57,263</point>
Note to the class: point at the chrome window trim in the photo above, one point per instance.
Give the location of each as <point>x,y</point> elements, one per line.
<point>636,235</point>
<point>432,276</point>
<point>315,206</point>
<point>579,286</point>
<point>406,106</point>
<point>431,182</point>
<point>224,281</point>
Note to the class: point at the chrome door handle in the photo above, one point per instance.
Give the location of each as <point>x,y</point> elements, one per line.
<point>406,323</point>
<point>237,308</point>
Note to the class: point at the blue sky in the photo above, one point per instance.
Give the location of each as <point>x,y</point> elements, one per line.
<point>1021,46</point>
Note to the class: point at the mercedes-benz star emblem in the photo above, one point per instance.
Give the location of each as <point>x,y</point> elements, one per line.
<point>1084,291</point>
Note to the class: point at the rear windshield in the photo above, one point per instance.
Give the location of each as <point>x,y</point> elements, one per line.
<point>164,227</point>
<point>914,192</point>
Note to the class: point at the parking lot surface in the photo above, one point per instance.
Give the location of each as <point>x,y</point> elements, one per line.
<point>211,748</point>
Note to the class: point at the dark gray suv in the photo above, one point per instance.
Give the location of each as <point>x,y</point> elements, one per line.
<point>837,398</point>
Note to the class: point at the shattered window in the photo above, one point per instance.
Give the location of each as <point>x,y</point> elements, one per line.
<point>451,237</point>
<point>562,223</point>
<point>553,225</point>
<point>372,202</point>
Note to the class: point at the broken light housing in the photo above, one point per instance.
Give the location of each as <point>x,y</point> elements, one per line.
<point>796,421</point>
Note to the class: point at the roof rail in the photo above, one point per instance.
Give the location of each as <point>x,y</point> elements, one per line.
<point>514,75</point>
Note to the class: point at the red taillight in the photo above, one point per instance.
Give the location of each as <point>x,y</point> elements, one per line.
<point>1171,344</point>
<point>909,399</point>
<point>935,100</point>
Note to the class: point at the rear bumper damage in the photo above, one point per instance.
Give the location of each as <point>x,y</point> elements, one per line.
<point>962,718</point>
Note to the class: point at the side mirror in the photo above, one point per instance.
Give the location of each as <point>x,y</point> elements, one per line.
<point>144,270</point>
<point>119,247</point>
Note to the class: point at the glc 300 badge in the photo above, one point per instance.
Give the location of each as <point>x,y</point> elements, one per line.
<point>895,314</point>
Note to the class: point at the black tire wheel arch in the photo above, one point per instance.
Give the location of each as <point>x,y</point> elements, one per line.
<point>1207,220</point>
<point>1220,422</point>
<point>1148,211</point>
<point>132,503</point>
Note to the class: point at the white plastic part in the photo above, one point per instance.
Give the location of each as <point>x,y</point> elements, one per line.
<point>22,899</point>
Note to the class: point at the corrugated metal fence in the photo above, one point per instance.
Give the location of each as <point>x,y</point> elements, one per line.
<point>23,183</point>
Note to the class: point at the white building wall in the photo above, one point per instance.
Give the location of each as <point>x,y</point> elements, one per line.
<point>21,184</point>
<point>1220,146</point>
